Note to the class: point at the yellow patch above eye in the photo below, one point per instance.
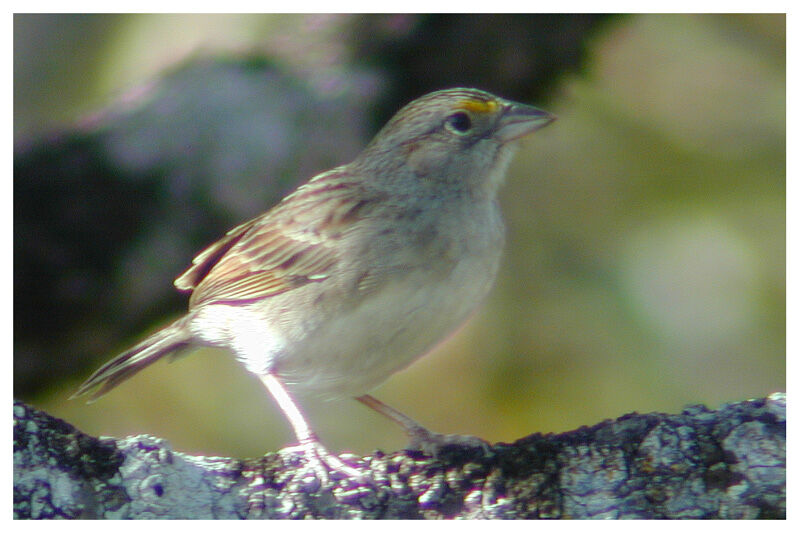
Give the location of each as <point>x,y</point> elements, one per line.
<point>478,106</point>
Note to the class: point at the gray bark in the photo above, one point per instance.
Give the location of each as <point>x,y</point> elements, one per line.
<point>725,463</point>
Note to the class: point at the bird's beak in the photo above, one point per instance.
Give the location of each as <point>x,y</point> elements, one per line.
<point>519,120</point>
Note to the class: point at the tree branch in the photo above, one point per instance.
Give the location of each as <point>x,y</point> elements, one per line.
<point>726,463</point>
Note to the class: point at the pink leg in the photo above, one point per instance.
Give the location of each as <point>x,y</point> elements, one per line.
<point>421,438</point>
<point>318,457</point>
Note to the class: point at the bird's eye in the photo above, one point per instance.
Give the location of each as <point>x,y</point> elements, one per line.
<point>459,122</point>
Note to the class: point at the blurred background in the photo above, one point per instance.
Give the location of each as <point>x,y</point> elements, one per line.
<point>645,262</point>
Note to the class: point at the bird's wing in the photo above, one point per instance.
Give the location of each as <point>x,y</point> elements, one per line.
<point>294,244</point>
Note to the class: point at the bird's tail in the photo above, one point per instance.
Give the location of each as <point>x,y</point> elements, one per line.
<point>128,363</point>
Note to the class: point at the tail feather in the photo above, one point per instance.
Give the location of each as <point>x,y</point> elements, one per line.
<point>162,343</point>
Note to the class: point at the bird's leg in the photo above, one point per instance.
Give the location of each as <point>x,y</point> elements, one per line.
<point>421,438</point>
<point>318,458</point>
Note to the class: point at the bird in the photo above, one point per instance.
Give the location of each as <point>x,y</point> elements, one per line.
<point>359,271</point>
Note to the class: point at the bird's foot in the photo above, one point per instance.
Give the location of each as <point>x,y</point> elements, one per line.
<point>434,444</point>
<point>322,464</point>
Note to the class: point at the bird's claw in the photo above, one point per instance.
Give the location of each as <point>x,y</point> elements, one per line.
<point>321,463</point>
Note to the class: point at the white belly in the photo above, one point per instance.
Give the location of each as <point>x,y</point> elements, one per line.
<point>354,353</point>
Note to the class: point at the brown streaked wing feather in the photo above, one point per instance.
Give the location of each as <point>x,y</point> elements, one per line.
<point>205,260</point>
<point>292,245</point>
